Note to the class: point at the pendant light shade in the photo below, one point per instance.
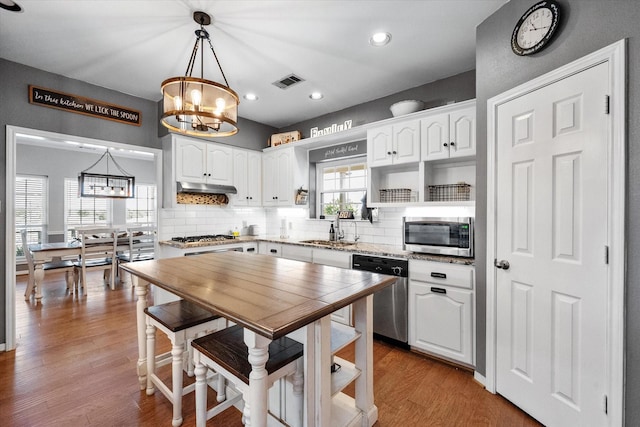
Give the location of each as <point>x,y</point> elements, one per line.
<point>196,106</point>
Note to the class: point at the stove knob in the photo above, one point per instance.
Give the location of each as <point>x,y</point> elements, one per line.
<point>397,270</point>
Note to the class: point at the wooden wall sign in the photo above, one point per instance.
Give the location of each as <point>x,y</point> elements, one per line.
<point>82,105</point>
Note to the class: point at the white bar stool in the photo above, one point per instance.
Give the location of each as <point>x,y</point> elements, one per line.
<point>181,321</point>
<point>226,353</point>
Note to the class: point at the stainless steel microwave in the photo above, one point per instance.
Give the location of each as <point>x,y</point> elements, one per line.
<point>442,236</point>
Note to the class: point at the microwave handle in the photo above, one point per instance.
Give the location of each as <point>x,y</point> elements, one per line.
<point>439,275</point>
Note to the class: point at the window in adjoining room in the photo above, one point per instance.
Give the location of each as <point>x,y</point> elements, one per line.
<point>142,208</point>
<point>30,210</point>
<point>83,211</point>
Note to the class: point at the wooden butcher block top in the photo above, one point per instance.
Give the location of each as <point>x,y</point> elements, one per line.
<point>271,296</point>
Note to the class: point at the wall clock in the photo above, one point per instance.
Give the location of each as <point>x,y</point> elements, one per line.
<point>536,27</point>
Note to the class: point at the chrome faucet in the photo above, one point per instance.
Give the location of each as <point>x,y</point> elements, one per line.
<point>339,230</point>
<point>355,232</point>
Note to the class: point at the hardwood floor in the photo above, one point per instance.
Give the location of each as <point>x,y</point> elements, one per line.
<point>75,365</point>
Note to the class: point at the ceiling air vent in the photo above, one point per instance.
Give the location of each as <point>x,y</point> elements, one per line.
<point>288,81</point>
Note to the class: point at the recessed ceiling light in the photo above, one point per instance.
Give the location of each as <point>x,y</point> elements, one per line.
<point>316,95</point>
<point>380,39</point>
<point>251,97</point>
<point>10,5</point>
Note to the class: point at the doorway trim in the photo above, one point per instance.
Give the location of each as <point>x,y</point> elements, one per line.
<point>615,56</point>
<point>10,187</point>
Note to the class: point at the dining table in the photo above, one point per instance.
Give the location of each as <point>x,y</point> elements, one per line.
<point>42,253</point>
<point>271,297</point>
<point>45,252</point>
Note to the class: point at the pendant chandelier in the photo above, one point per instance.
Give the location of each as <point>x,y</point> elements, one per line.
<point>196,106</point>
<point>105,185</point>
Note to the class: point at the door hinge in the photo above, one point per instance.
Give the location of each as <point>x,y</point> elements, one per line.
<point>605,403</point>
<point>606,254</point>
<point>606,104</point>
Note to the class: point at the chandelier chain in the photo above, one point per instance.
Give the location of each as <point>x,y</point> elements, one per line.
<point>107,153</point>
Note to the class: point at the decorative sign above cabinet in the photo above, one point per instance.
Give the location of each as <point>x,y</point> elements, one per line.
<point>333,152</point>
<point>316,131</point>
<point>82,105</point>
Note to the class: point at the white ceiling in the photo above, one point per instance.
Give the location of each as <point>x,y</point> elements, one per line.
<point>132,46</point>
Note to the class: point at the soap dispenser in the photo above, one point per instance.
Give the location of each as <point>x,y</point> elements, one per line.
<point>332,233</point>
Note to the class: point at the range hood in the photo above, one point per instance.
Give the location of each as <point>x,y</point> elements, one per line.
<point>197,187</point>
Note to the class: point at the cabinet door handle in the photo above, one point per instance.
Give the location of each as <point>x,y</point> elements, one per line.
<point>438,290</point>
<point>452,143</point>
<point>439,275</point>
<point>389,153</point>
<point>274,251</point>
<point>251,249</point>
<point>395,152</point>
<point>445,144</point>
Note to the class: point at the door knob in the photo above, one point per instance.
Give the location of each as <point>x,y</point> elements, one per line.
<point>503,264</point>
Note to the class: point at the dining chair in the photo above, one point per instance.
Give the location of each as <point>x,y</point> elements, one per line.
<point>97,252</point>
<point>64,265</point>
<point>141,246</point>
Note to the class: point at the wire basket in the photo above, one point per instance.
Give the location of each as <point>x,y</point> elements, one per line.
<point>449,192</point>
<point>395,195</point>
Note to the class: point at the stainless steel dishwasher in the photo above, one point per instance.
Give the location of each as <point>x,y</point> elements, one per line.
<point>390,305</point>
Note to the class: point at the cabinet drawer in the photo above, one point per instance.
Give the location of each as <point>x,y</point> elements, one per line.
<point>298,253</point>
<point>441,274</point>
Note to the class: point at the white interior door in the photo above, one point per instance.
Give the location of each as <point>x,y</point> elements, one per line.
<point>551,227</point>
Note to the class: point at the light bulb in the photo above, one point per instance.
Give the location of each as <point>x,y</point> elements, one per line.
<point>112,191</point>
<point>177,103</point>
<point>220,104</point>
<point>196,97</point>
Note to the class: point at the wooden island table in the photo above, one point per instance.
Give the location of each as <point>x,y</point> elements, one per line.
<point>271,297</point>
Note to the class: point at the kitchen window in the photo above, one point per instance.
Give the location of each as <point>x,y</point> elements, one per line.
<point>142,208</point>
<point>30,210</point>
<point>341,186</point>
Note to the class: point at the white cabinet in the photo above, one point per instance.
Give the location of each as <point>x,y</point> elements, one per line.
<point>203,162</point>
<point>449,135</point>
<point>441,309</point>
<point>269,248</point>
<point>336,259</point>
<point>298,253</point>
<point>247,177</point>
<point>394,144</point>
<point>284,170</point>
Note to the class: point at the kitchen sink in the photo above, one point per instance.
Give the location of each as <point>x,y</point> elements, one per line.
<point>333,243</point>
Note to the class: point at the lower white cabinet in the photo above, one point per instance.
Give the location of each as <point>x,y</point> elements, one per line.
<point>298,253</point>
<point>441,310</point>
<point>268,248</point>
<point>335,259</point>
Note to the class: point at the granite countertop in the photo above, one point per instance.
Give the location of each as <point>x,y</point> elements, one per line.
<point>358,247</point>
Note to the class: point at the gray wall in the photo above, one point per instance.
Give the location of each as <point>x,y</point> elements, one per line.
<point>588,26</point>
<point>457,88</point>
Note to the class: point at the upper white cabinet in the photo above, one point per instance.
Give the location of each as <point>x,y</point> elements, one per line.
<point>449,135</point>
<point>283,171</point>
<point>394,144</point>
<point>203,162</point>
<point>247,177</point>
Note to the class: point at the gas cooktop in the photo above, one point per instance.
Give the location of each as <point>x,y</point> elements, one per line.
<point>203,238</point>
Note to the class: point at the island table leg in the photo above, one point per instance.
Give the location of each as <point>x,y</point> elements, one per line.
<point>363,317</point>
<point>257,400</point>
<point>141,286</point>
